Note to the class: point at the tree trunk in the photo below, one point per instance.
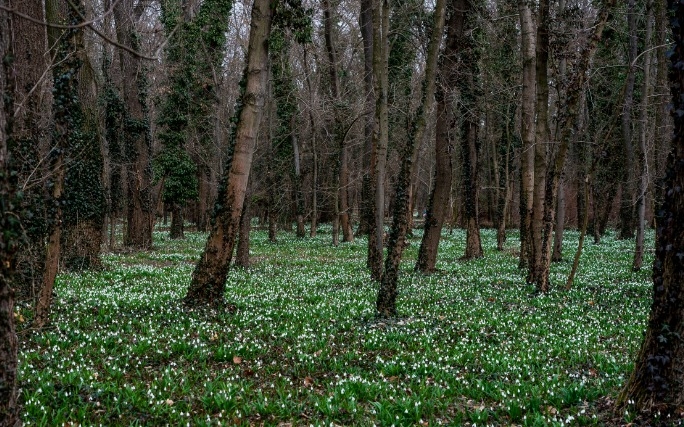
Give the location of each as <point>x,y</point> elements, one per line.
<point>643,152</point>
<point>657,383</point>
<point>628,179</point>
<point>177,227</point>
<point>242,251</point>
<point>527,130</point>
<point>567,120</point>
<point>438,206</point>
<point>387,294</point>
<point>140,211</point>
<point>209,278</point>
<point>380,134</point>
<point>557,254</point>
<point>9,238</point>
<point>366,26</point>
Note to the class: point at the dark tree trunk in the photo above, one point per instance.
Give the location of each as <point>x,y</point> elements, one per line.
<point>381,14</point>
<point>657,383</point>
<point>643,151</point>
<point>438,206</point>
<point>470,143</point>
<point>9,239</point>
<point>628,179</point>
<point>567,122</point>
<point>140,211</point>
<point>209,278</point>
<point>366,25</point>
<point>177,227</point>
<point>387,294</point>
<point>242,251</point>
<point>557,254</point>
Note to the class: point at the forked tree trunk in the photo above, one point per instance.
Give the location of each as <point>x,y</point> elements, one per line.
<point>387,294</point>
<point>657,382</point>
<point>209,278</point>
<point>643,153</point>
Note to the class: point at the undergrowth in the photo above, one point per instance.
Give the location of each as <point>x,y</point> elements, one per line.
<point>472,345</point>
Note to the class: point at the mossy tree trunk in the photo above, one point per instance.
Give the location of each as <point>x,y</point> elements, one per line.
<point>387,294</point>
<point>140,210</point>
<point>209,278</point>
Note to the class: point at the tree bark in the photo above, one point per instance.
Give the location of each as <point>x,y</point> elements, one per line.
<point>380,135</point>
<point>527,133</point>
<point>567,121</point>
<point>366,26</point>
<point>209,278</point>
<point>628,177</point>
<point>140,210</point>
<point>9,238</point>
<point>657,382</point>
<point>643,152</point>
<point>387,294</point>
<point>242,251</point>
<point>177,222</point>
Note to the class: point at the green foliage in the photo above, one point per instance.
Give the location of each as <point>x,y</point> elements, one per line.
<point>195,48</point>
<point>302,346</point>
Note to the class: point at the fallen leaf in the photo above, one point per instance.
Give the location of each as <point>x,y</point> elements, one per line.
<point>308,381</point>
<point>237,360</point>
<point>214,337</point>
<point>169,402</point>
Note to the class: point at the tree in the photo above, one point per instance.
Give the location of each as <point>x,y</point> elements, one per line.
<point>470,142</point>
<point>9,238</point>
<point>387,294</point>
<point>67,120</point>
<point>527,135</point>
<point>136,131</point>
<point>381,14</point>
<point>657,382</point>
<point>209,278</point>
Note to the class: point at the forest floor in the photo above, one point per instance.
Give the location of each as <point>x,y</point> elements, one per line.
<point>472,346</point>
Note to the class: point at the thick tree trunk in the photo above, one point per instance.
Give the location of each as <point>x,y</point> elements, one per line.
<point>140,211</point>
<point>209,278</point>
<point>527,131</point>
<point>657,383</point>
<point>628,179</point>
<point>9,239</point>
<point>387,294</point>
<point>643,151</point>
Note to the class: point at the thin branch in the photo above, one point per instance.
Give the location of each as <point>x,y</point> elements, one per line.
<point>59,26</point>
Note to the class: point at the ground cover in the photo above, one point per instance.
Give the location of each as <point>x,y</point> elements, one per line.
<point>298,344</point>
